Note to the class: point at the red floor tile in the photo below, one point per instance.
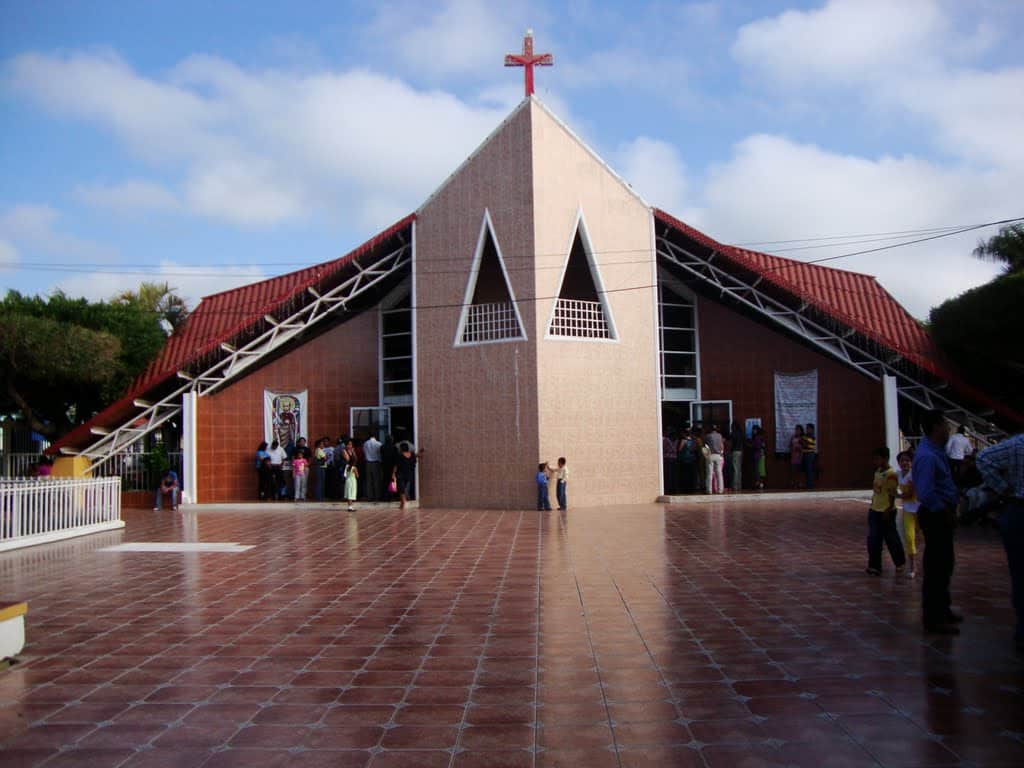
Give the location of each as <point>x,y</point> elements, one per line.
<point>727,635</point>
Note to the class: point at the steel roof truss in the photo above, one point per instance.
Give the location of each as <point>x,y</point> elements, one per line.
<point>238,360</point>
<point>840,344</point>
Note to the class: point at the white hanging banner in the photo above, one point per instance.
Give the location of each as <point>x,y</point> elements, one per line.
<point>796,402</point>
<point>284,417</point>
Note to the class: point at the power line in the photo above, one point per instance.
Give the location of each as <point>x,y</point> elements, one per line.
<point>941,233</point>
<point>908,242</point>
<point>895,233</point>
<point>203,270</point>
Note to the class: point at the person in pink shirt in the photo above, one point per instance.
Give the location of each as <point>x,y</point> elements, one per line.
<point>300,475</point>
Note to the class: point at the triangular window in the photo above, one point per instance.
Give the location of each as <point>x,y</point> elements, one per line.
<point>489,311</point>
<point>581,310</point>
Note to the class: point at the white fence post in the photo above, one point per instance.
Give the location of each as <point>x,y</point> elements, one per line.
<point>41,510</point>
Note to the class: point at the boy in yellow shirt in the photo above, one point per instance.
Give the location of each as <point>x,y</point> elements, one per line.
<point>882,516</point>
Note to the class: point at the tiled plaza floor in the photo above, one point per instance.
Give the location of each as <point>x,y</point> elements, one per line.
<point>719,635</point>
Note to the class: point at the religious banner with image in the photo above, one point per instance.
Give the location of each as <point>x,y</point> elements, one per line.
<point>284,416</point>
<point>796,402</point>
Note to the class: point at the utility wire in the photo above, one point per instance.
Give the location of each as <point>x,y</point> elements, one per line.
<point>896,233</point>
<point>900,245</point>
<point>200,270</point>
<point>941,234</point>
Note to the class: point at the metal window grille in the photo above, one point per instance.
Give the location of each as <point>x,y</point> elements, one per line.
<point>491,322</point>
<point>580,319</point>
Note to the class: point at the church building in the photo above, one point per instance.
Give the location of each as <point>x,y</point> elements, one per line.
<point>535,306</point>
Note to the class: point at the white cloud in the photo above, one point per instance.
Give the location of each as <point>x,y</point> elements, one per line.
<point>257,148</point>
<point>907,63</point>
<point>34,230</point>
<point>901,60</point>
<point>9,258</point>
<point>159,120</point>
<point>243,193</point>
<point>28,222</point>
<point>129,195</point>
<point>774,188</point>
<point>845,41</point>
<point>976,115</point>
<point>462,37</point>
<point>191,283</point>
<point>656,171</point>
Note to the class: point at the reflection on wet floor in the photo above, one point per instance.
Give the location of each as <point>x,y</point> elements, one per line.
<point>713,635</point>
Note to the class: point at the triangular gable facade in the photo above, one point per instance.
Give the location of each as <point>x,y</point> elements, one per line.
<point>489,312</point>
<point>581,309</point>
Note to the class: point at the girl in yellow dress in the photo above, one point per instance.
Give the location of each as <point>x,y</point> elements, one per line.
<point>910,503</point>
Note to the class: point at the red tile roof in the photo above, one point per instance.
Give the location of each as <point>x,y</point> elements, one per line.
<point>856,300</point>
<point>218,318</point>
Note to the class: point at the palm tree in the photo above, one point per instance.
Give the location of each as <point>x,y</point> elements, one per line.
<point>1006,247</point>
<point>161,299</point>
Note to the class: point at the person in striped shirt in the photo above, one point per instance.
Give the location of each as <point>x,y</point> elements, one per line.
<point>1002,468</point>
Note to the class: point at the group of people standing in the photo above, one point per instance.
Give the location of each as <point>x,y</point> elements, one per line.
<point>346,470</point>
<point>696,459</point>
<point>803,457</point>
<point>927,483</point>
<point>702,459</point>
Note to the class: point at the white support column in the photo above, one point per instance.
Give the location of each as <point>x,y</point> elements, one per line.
<point>890,398</point>
<point>189,403</point>
<point>413,320</point>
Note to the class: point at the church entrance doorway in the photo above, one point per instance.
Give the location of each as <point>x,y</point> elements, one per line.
<point>370,421</point>
<point>708,412</point>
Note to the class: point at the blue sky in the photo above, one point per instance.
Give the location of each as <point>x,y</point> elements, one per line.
<point>212,144</point>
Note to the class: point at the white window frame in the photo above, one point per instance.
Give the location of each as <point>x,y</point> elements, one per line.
<point>387,304</point>
<point>675,286</point>
<point>695,403</point>
<point>352,414</point>
<point>580,226</point>
<point>486,227</point>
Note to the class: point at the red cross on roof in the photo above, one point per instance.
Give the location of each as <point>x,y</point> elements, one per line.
<point>527,60</point>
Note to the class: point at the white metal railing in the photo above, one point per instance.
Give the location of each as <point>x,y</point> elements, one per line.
<point>137,472</point>
<point>17,463</point>
<point>41,510</point>
<point>491,322</point>
<point>579,319</point>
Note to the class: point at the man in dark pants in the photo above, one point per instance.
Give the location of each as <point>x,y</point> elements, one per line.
<point>1002,467</point>
<point>933,482</point>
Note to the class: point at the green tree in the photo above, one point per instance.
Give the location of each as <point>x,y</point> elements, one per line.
<point>1006,248</point>
<point>64,359</point>
<point>981,331</point>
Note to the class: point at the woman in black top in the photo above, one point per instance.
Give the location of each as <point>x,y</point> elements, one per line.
<point>404,468</point>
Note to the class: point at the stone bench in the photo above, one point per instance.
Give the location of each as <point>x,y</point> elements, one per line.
<point>12,628</point>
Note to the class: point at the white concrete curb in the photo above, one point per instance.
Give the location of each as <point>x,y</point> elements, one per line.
<point>763,497</point>
<point>291,506</point>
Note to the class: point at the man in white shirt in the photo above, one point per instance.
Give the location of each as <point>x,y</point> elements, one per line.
<point>277,455</point>
<point>958,447</point>
<point>374,473</point>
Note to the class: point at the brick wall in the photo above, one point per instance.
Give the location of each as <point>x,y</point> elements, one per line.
<point>738,357</point>
<point>337,368</point>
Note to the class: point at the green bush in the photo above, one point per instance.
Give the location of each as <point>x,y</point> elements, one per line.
<point>982,332</point>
